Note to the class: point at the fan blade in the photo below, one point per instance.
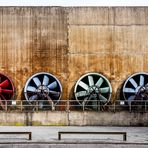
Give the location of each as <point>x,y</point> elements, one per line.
<point>45,80</point>
<point>6,91</point>
<point>129,90</point>
<point>53,85</point>
<point>141,80</point>
<point>104,90</point>
<point>102,98</point>
<point>37,81</point>
<point>83,85</point>
<point>31,89</point>
<point>130,99</point>
<point>90,80</point>
<point>54,93</point>
<point>81,94</point>
<point>34,97</point>
<point>4,84</point>
<point>133,82</point>
<point>99,82</point>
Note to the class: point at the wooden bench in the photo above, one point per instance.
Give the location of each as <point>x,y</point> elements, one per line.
<point>110,133</point>
<point>28,133</point>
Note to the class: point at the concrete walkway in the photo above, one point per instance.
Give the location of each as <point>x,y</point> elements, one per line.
<point>49,134</point>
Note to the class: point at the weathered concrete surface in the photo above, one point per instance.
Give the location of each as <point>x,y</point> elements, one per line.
<point>91,15</point>
<point>34,118</point>
<point>108,118</point>
<point>108,40</point>
<point>69,42</point>
<point>33,39</point>
<point>121,118</point>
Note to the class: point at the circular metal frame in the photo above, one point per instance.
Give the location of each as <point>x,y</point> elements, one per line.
<point>93,88</point>
<point>134,85</point>
<point>40,86</point>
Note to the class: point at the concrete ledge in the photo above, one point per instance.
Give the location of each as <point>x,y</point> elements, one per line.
<point>62,118</point>
<point>121,118</point>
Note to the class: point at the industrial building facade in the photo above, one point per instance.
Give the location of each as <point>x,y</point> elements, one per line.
<point>69,42</point>
<point>65,44</point>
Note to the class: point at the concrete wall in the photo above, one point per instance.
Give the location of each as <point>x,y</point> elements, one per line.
<point>74,118</point>
<point>69,42</point>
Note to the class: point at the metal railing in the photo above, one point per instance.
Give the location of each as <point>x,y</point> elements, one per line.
<point>68,105</point>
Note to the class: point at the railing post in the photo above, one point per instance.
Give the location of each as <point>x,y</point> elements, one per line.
<point>67,108</point>
<point>130,106</point>
<point>21,105</point>
<point>83,105</point>
<point>99,105</point>
<point>145,106</point>
<point>114,107</point>
<point>52,106</point>
<point>37,105</point>
<point>6,105</point>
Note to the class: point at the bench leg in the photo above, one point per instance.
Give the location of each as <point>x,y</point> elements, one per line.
<point>30,136</point>
<point>124,137</point>
<point>59,136</point>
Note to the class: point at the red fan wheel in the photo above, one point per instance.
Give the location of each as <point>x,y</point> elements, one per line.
<point>6,89</point>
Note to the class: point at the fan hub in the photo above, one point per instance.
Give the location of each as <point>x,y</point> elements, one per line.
<point>43,90</point>
<point>93,90</point>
